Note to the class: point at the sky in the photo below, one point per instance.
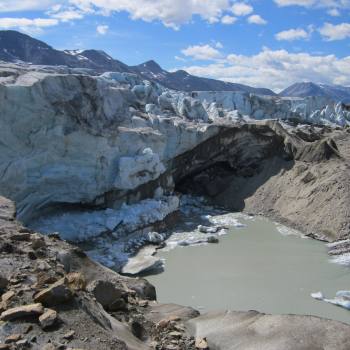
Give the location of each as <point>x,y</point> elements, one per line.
<point>262,43</point>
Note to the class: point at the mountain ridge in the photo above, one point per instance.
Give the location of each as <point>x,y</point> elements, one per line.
<point>305,89</point>
<point>18,47</point>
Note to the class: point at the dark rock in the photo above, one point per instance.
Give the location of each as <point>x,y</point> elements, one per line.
<point>143,288</point>
<point>21,236</point>
<point>309,177</point>
<point>212,239</point>
<point>7,247</point>
<point>32,255</point>
<point>57,293</point>
<point>105,293</point>
<point>3,282</point>
<point>118,305</point>
<point>137,329</point>
<point>37,241</point>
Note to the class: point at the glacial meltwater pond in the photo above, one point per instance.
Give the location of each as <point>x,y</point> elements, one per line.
<point>255,267</point>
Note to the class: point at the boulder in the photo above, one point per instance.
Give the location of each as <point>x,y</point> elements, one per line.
<point>57,293</point>
<point>201,344</point>
<point>212,239</point>
<point>143,288</point>
<point>105,293</point>
<point>76,281</point>
<point>48,318</point>
<point>21,236</point>
<point>37,241</point>
<point>8,296</point>
<point>22,311</point>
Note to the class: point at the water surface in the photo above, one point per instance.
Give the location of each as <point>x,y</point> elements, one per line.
<point>253,268</point>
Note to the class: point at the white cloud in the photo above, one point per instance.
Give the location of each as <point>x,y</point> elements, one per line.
<point>66,15</point>
<point>28,25</point>
<point>171,13</point>
<point>292,34</point>
<point>277,69</point>
<point>102,29</point>
<point>305,3</point>
<point>333,32</point>
<point>241,9</point>
<point>23,5</point>
<point>228,19</point>
<point>179,58</point>
<point>219,45</point>
<point>334,12</point>
<point>202,52</point>
<point>315,3</point>
<point>256,19</point>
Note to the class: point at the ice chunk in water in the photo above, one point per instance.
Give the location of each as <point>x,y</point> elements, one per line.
<point>317,295</point>
<point>341,299</point>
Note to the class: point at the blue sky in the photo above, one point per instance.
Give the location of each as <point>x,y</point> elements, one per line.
<point>270,43</point>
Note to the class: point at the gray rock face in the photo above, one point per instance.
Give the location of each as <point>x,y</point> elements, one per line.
<point>255,331</point>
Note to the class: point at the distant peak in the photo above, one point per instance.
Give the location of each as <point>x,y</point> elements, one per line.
<point>181,72</point>
<point>152,66</point>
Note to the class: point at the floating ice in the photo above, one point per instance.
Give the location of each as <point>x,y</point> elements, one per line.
<point>343,259</point>
<point>317,295</point>
<point>225,220</point>
<point>342,299</point>
<point>287,231</point>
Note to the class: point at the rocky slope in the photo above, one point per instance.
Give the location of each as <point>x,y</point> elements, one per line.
<point>54,297</point>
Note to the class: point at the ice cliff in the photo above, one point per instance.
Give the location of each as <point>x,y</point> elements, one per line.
<point>76,142</point>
